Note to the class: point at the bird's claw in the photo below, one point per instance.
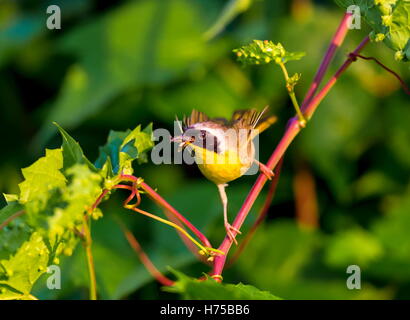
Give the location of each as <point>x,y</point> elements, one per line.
<point>229,228</point>
<point>266,171</point>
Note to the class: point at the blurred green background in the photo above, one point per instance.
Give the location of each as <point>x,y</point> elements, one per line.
<point>344,193</point>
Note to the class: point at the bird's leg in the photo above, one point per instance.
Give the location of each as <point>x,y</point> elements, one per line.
<point>229,228</point>
<point>265,170</point>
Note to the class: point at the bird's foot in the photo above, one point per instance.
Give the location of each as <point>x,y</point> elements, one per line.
<point>230,232</point>
<point>266,171</point>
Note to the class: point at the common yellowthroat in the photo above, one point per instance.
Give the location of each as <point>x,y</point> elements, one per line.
<point>224,149</point>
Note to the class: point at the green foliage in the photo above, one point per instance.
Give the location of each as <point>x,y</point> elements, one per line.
<point>22,270</point>
<point>195,289</point>
<point>54,204</point>
<point>148,60</point>
<point>72,152</point>
<point>390,21</point>
<point>264,52</point>
<point>122,148</point>
<point>15,233</point>
<point>57,191</point>
<point>296,257</point>
<point>391,231</point>
<point>41,178</point>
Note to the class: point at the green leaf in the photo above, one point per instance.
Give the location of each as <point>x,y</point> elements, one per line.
<point>208,289</point>
<point>72,152</point>
<point>42,176</point>
<point>135,146</point>
<point>60,213</point>
<point>390,21</point>
<point>20,272</point>
<point>122,148</point>
<point>265,52</point>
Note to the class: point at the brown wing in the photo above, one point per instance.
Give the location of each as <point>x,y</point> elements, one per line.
<point>252,119</point>
<point>195,117</point>
<point>244,118</point>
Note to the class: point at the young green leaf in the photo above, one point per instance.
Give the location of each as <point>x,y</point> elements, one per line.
<point>293,80</point>
<point>264,52</point>
<point>195,289</point>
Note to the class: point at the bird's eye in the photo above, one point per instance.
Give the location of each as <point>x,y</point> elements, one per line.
<point>202,134</point>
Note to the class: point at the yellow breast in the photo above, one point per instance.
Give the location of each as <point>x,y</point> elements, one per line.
<point>221,168</point>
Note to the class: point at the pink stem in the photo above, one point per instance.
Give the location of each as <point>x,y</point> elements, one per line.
<point>291,132</point>
<point>11,218</point>
<point>99,199</point>
<point>191,247</point>
<point>395,74</point>
<point>312,106</point>
<point>146,261</point>
<point>337,41</point>
<point>262,214</point>
<point>171,217</point>
<point>163,203</point>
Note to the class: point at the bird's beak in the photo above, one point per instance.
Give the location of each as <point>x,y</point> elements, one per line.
<point>183,141</point>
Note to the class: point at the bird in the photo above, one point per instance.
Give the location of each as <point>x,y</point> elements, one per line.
<point>224,149</point>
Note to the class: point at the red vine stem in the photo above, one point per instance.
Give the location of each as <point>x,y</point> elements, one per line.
<point>135,245</point>
<point>163,203</point>
<point>210,252</point>
<point>403,84</point>
<point>99,199</point>
<point>334,45</point>
<point>262,214</point>
<point>11,218</point>
<point>313,104</point>
<point>191,247</point>
<point>291,132</point>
